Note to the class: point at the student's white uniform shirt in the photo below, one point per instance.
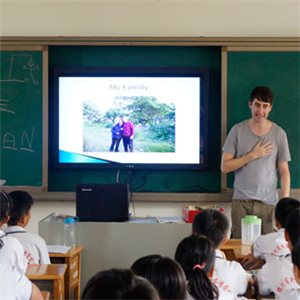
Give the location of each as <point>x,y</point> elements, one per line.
<point>271,245</point>
<point>277,276</point>
<point>34,246</point>
<point>223,295</point>
<point>229,275</point>
<point>12,253</point>
<point>14,285</point>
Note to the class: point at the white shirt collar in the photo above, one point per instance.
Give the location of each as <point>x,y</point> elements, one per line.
<point>14,229</point>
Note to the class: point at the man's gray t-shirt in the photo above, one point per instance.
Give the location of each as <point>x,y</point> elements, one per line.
<point>257,179</point>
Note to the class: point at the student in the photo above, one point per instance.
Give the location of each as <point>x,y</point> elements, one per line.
<point>214,225</point>
<point>255,150</point>
<point>164,273</point>
<point>197,256</point>
<point>272,244</point>
<point>119,284</point>
<point>14,285</point>
<point>277,274</point>
<point>296,262</point>
<point>11,251</point>
<point>34,246</point>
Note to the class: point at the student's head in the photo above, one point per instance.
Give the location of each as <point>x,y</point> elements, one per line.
<point>119,284</point>
<point>21,208</point>
<point>213,224</point>
<point>292,228</point>
<point>283,209</point>
<point>124,119</point>
<point>262,94</point>
<point>5,206</point>
<point>196,255</point>
<point>141,264</point>
<point>296,262</point>
<point>164,273</point>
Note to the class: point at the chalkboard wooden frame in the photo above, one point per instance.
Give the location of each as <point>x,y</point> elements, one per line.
<point>42,184</point>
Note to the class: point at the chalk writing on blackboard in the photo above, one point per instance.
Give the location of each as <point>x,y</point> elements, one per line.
<point>28,65</point>
<point>10,143</point>
<point>3,104</point>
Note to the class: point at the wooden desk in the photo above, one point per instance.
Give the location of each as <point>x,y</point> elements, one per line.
<point>73,274</point>
<point>240,250</point>
<point>49,277</point>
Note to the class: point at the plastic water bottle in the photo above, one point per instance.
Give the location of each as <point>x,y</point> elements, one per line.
<point>251,229</point>
<point>69,232</point>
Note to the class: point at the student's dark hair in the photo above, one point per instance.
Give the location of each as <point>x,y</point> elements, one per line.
<point>21,204</point>
<point>213,224</point>
<point>5,205</point>
<point>296,255</point>
<point>283,208</point>
<point>119,284</point>
<point>164,273</point>
<point>196,255</point>
<point>293,226</point>
<point>262,93</point>
<point>141,264</point>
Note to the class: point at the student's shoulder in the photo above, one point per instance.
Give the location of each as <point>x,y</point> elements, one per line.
<point>35,237</point>
<point>278,265</point>
<point>11,241</point>
<point>229,266</point>
<point>266,239</point>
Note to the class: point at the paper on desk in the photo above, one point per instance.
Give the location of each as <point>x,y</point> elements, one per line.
<point>58,249</point>
<point>169,220</point>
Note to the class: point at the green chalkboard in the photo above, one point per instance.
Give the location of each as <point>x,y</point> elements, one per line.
<point>145,56</point>
<point>21,105</point>
<point>281,72</point>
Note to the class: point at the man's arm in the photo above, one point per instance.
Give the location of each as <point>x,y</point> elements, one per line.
<point>285,178</point>
<point>230,164</point>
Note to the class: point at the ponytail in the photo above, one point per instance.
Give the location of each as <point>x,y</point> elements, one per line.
<point>201,287</point>
<point>196,255</point>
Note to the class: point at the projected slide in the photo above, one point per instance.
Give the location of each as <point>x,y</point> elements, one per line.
<point>129,120</point>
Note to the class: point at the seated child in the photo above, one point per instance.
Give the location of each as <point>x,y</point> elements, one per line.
<point>276,276</point>
<point>164,273</point>
<point>214,225</point>
<point>34,246</point>
<point>296,262</point>
<point>197,256</point>
<point>14,285</point>
<point>272,244</point>
<point>11,251</point>
<point>119,284</point>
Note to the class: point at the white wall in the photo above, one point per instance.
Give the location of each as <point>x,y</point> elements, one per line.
<point>192,18</point>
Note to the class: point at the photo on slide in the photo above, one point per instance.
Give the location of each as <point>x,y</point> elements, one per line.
<point>153,123</point>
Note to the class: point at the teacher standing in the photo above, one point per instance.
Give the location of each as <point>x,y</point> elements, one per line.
<point>255,150</point>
